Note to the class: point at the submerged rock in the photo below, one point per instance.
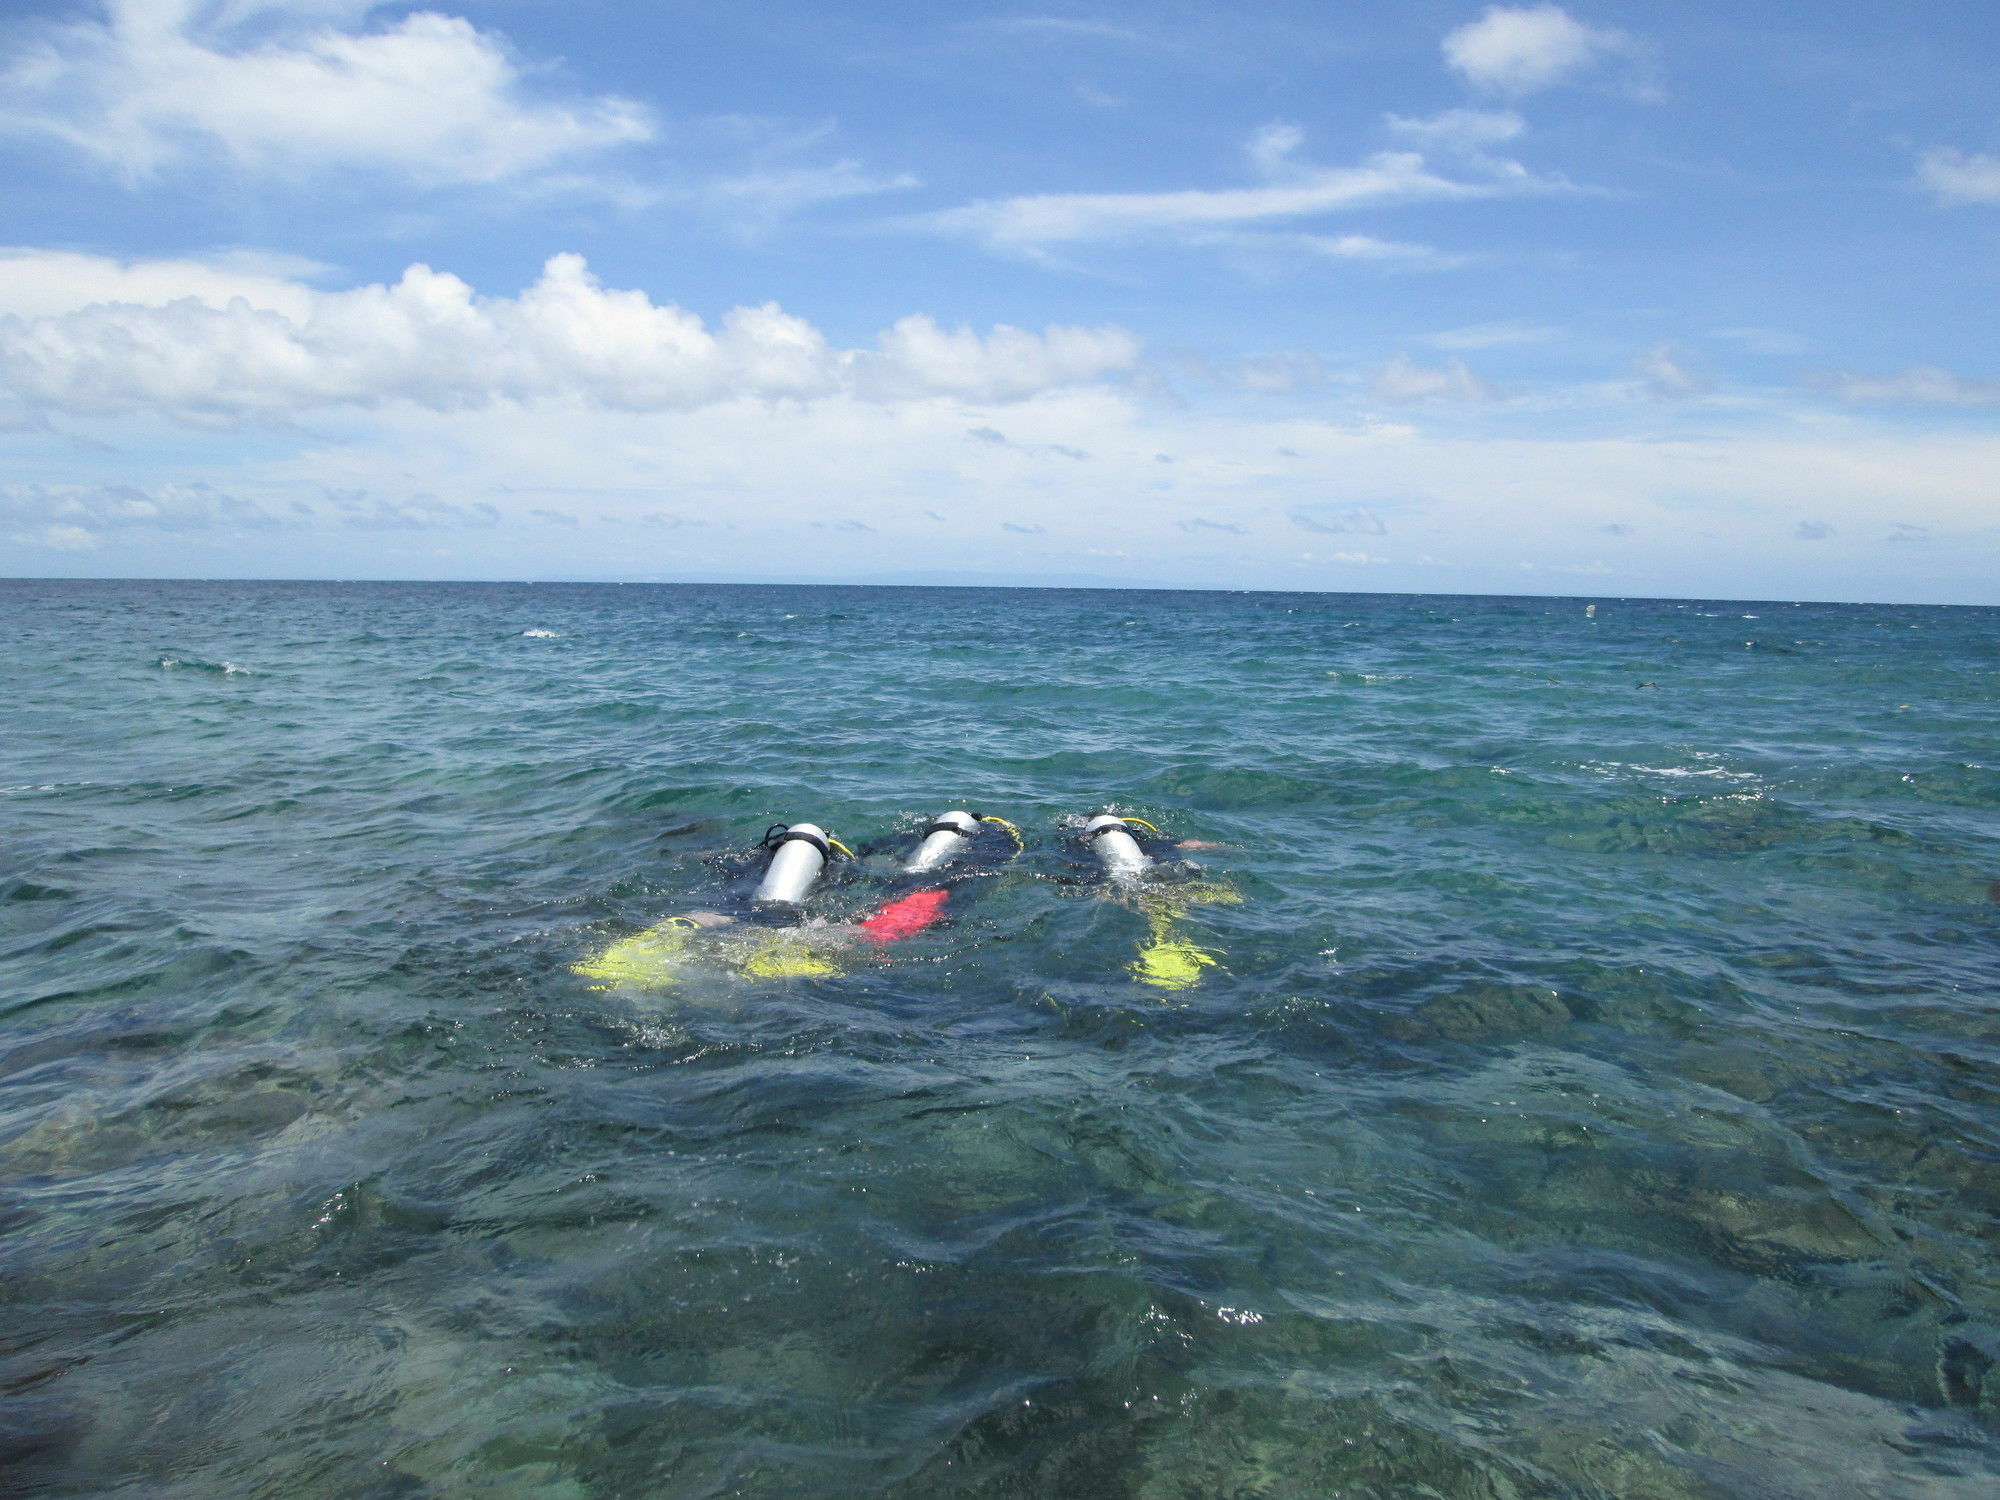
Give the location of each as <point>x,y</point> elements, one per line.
<point>1485,1013</point>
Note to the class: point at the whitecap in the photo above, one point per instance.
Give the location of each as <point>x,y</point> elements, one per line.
<point>542,635</point>
<point>197,664</point>
<point>1707,767</point>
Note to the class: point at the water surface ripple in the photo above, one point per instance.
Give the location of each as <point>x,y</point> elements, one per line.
<point>1596,1096</point>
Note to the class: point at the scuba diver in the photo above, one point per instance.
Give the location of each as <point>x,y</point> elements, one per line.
<point>1162,890</point>
<point>773,938</point>
<point>772,935</point>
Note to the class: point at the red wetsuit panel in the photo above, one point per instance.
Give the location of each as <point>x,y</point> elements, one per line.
<point>906,916</point>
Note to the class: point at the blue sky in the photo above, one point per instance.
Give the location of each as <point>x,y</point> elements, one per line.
<point>1594,299</point>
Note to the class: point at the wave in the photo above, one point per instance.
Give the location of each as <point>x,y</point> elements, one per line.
<point>201,664</point>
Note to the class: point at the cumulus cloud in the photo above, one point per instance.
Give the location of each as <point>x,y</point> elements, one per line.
<point>1919,385</point>
<point>76,517</point>
<point>72,518</point>
<point>1956,177</point>
<point>1291,188</point>
<point>412,513</point>
<point>58,538</point>
<point>429,341</point>
<point>1522,49</point>
<point>1404,380</point>
<point>284,88</point>
<point>917,357</point>
<point>1477,501</point>
<point>42,283</point>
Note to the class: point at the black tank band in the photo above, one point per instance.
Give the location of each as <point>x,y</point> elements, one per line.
<point>798,836</point>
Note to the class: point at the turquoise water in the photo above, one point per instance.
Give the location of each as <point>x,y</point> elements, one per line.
<point>1595,1093</point>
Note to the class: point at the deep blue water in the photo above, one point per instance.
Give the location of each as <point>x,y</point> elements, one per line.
<point>1595,1095</point>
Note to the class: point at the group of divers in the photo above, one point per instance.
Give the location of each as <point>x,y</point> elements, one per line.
<point>775,934</point>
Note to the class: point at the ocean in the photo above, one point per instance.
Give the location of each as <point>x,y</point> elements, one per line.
<point>1578,1073</point>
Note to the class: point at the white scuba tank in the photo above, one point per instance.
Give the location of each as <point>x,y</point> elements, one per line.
<point>949,836</point>
<point>1110,839</point>
<point>795,866</point>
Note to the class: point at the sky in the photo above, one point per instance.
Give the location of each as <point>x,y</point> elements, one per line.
<point>1605,299</point>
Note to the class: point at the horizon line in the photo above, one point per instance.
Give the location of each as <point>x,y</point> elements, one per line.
<point>1051,583</point>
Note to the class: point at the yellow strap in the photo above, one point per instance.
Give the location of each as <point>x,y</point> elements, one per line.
<point>1020,842</point>
<point>840,846</point>
<point>1140,821</point>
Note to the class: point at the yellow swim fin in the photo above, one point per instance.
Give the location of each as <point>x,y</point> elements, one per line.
<point>786,956</point>
<point>648,960</point>
<point>1167,960</point>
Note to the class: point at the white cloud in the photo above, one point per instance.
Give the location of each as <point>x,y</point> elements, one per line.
<point>429,341</point>
<point>1466,132</point>
<point>1493,335</point>
<point>44,283</point>
<point>1060,27</point>
<point>1956,177</point>
<point>1366,247</point>
<point>1519,50</point>
<point>773,193</point>
<point>75,517</point>
<point>57,538</point>
<point>1292,188</point>
<point>277,88</point>
<point>1919,385</point>
<point>1339,519</point>
<point>1666,378</point>
<point>1451,506</point>
<point>42,509</point>
<point>1277,373</point>
<point>1403,380</point>
<point>918,358</point>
